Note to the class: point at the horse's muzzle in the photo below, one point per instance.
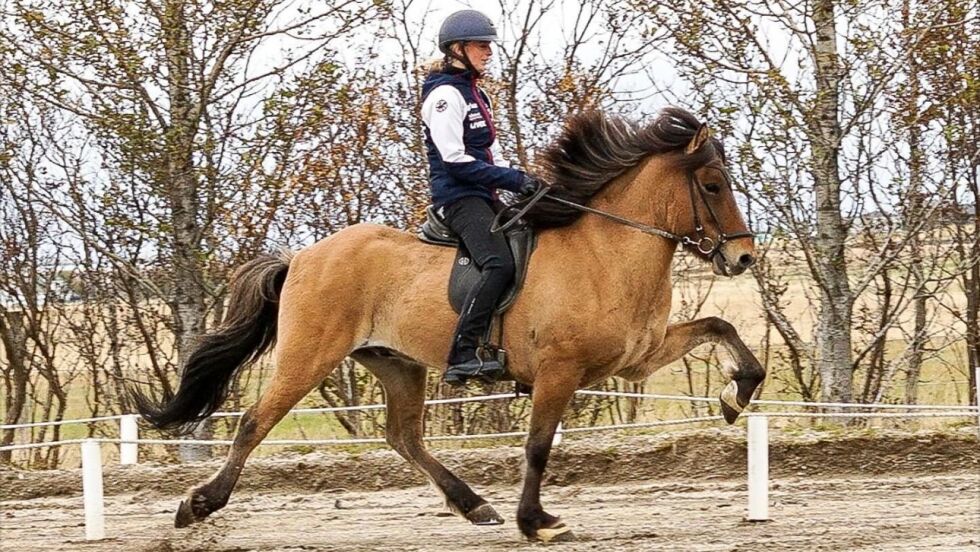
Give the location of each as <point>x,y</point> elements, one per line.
<point>722,266</point>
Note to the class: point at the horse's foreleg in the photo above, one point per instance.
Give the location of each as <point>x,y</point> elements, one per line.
<point>746,376</point>
<point>298,370</point>
<point>551,397</point>
<point>404,385</point>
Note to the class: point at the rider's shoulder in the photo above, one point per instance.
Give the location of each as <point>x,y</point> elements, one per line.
<point>443,96</point>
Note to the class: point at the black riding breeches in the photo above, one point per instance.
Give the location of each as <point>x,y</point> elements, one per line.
<point>470,218</point>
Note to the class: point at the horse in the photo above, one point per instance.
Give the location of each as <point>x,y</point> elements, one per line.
<point>595,304</point>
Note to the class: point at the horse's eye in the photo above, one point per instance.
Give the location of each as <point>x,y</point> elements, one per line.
<point>712,188</point>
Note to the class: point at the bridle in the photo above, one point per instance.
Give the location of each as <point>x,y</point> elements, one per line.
<point>712,248</point>
<point>703,244</point>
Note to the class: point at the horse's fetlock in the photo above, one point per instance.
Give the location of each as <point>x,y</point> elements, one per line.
<point>204,504</point>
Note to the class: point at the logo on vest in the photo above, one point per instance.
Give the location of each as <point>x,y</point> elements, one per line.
<point>464,261</point>
<point>441,106</point>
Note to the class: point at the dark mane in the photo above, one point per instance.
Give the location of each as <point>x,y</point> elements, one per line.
<point>594,148</point>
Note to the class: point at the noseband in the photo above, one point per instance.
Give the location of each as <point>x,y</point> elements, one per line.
<point>704,245</point>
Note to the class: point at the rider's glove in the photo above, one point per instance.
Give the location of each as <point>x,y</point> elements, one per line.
<point>530,185</point>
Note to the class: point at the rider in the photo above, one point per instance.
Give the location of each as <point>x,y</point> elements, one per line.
<point>465,170</point>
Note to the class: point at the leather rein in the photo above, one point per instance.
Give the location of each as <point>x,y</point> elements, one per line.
<point>704,244</point>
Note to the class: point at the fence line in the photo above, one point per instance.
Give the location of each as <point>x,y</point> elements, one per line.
<point>768,402</point>
<point>360,441</point>
<point>948,414</point>
<point>499,396</point>
<point>42,445</point>
<point>63,422</point>
<point>503,435</point>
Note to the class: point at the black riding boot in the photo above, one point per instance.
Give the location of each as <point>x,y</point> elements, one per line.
<point>471,217</point>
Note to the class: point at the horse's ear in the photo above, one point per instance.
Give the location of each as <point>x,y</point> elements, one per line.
<point>700,137</point>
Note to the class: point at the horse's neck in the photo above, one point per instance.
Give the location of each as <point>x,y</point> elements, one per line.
<point>625,255</point>
<point>629,265</point>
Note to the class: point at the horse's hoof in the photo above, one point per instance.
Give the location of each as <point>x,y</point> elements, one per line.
<point>185,515</point>
<point>484,514</point>
<point>729,402</point>
<point>558,533</point>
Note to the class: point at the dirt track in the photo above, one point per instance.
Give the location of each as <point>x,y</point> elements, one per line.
<point>890,492</point>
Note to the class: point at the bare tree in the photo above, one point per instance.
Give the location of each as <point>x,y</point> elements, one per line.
<point>819,98</point>
<point>168,89</point>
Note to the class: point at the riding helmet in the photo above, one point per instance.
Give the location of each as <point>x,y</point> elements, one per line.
<point>466,25</point>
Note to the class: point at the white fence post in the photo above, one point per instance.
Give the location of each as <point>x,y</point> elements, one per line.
<point>129,431</point>
<point>556,440</point>
<point>976,381</point>
<point>758,467</point>
<point>92,489</point>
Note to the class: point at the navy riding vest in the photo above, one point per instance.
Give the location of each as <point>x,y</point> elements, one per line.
<point>472,173</point>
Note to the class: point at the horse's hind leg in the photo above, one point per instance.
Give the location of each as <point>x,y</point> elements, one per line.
<point>404,384</point>
<point>300,366</point>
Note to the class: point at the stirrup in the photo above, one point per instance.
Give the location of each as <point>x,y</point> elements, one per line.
<point>487,371</point>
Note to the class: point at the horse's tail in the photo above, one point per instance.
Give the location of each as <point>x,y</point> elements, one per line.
<point>248,330</point>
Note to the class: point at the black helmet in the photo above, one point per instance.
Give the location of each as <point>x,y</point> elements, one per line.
<point>466,25</point>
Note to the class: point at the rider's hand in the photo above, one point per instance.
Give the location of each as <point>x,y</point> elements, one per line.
<point>530,185</point>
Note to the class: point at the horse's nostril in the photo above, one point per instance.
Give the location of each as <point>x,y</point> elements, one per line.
<point>746,260</point>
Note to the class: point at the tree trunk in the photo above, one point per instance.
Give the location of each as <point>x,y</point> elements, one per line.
<point>182,183</point>
<point>971,284</point>
<point>836,302</point>
<point>876,376</point>
<point>913,214</point>
<point>14,341</point>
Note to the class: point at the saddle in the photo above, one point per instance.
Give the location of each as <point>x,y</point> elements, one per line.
<point>465,274</point>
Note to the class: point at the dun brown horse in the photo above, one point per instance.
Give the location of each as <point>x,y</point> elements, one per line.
<point>595,304</point>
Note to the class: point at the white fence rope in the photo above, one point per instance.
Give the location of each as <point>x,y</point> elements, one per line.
<point>499,396</point>
<point>361,441</point>
<point>765,402</point>
<point>948,414</point>
<point>62,422</point>
<point>479,398</point>
<point>44,444</point>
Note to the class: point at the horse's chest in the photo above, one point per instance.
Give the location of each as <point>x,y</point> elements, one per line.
<point>643,343</point>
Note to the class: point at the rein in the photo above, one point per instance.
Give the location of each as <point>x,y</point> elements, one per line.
<point>704,244</point>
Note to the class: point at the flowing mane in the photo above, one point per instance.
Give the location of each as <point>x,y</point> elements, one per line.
<point>594,148</point>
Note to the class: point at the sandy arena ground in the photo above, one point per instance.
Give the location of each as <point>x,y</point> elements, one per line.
<point>905,492</point>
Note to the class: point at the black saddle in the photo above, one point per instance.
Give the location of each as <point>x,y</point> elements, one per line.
<point>465,273</point>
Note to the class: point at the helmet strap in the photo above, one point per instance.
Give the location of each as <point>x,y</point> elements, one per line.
<point>462,58</point>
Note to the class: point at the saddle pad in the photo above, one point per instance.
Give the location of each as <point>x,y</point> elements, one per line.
<point>465,274</point>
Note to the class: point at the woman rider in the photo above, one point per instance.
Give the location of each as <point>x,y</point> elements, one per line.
<point>465,170</point>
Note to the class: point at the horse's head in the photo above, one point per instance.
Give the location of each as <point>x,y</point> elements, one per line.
<point>686,194</point>
<point>711,223</point>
